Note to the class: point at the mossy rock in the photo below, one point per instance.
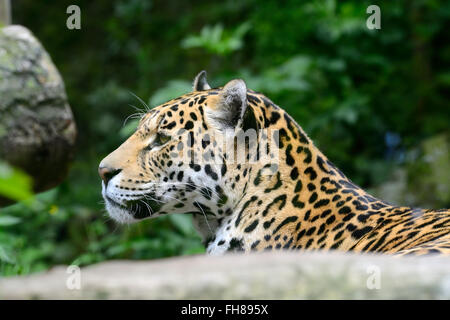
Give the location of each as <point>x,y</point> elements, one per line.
<point>37,129</point>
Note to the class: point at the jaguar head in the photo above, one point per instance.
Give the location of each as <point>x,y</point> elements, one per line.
<point>177,161</point>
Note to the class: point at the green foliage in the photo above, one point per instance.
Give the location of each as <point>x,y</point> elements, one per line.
<point>57,232</point>
<point>347,86</point>
<point>216,40</point>
<point>14,185</point>
<point>173,89</point>
<point>430,165</point>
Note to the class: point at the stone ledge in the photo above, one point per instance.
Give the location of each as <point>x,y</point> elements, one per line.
<point>281,275</point>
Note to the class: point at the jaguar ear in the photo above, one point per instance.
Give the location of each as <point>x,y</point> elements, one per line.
<point>231,105</point>
<point>200,83</point>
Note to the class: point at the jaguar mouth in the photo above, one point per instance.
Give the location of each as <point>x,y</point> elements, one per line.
<point>139,209</point>
<point>143,208</point>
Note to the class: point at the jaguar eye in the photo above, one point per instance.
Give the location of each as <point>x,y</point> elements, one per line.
<point>160,139</point>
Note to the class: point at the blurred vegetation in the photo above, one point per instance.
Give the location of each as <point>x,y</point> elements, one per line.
<point>366,97</point>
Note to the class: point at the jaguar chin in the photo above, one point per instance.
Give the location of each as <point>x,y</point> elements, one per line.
<point>127,211</point>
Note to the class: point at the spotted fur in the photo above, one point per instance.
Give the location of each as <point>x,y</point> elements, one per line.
<point>306,203</point>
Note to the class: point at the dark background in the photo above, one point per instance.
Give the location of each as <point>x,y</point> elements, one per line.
<point>374,101</point>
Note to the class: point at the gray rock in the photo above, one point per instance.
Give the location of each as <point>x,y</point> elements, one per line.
<point>37,129</point>
<point>280,275</point>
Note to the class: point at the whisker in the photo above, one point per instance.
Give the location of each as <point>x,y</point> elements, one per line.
<point>149,197</point>
<point>140,100</point>
<point>148,207</point>
<point>133,116</point>
<point>204,214</point>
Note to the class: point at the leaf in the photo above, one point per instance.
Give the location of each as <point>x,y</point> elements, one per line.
<point>14,183</point>
<point>8,221</point>
<point>215,39</point>
<point>4,256</point>
<point>182,222</point>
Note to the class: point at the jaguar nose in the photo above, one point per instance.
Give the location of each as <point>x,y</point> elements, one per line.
<point>107,173</point>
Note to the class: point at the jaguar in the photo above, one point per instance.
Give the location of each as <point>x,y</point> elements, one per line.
<point>192,155</point>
